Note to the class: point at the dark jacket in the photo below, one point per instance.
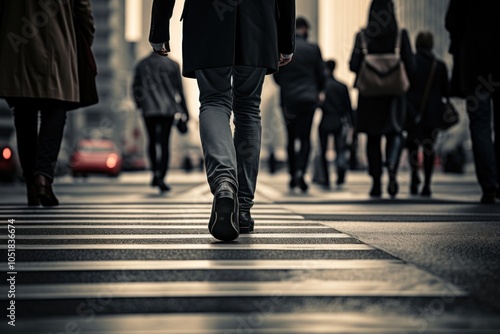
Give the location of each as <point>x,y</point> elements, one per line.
<point>474,28</point>
<point>382,114</point>
<point>337,108</point>
<point>303,79</point>
<point>44,64</point>
<point>229,33</point>
<point>433,110</point>
<point>157,87</point>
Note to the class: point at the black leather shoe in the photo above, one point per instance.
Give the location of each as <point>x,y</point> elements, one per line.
<point>223,224</point>
<point>393,187</point>
<point>302,183</point>
<point>163,186</point>
<point>376,190</point>
<point>246,222</point>
<point>488,198</point>
<point>31,194</point>
<point>426,191</point>
<point>44,192</point>
<point>155,182</point>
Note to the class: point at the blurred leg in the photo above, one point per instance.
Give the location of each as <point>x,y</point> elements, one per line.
<point>26,124</point>
<point>165,125</point>
<point>49,140</point>
<point>482,144</point>
<point>340,152</point>
<point>323,139</point>
<point>247,89</point>
<point>151,128</point>
<point>413,151</point>
<point>303,124</point>
<point>291,138</point>
<point>374,155</point>
<point>496,123</point>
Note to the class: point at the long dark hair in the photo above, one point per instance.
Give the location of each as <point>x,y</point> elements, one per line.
<point>381,20</point>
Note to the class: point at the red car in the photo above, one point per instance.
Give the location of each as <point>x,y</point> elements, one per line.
<point>96,156</point>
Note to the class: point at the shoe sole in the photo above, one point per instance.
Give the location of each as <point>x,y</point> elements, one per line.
<point>246,230</point>
<point>222,224</point>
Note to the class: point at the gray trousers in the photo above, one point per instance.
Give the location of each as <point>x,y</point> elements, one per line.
<point>234,159</point>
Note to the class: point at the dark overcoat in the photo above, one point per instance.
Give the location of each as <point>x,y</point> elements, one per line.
<point>224,33</point>
<point>474,28</point>
<point>378,115</point>
<point>439,89</point>
<point>38,48</point>
<point>337,108</point>
<point>303,79</point>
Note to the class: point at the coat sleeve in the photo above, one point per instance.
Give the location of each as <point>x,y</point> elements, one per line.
<point>455,24</point>
<point>83,14</point>
<point>320,70</point>
<point>160,22</point>
<point>445,89</point>
<point>408,56</point>
<point>286,26</point>
<point>137,90</point>
<point>357,55</point>
<point>347,104</point>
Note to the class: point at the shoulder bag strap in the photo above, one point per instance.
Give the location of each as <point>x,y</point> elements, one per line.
<point>427,88</point>
<point>364,44</point>
<point>397,47</point>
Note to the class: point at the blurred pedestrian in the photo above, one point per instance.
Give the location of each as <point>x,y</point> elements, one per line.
<point>382,115</point>
<point>301,84</point>
<point>337,116</point>
<point>158,93</point>
<point>429,87</point>
<point>474,27</point>
<point>40,75</point>
<point>229,49</point>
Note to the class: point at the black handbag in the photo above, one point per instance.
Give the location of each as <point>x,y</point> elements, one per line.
<point>87,68</point>
<point>450,116</point>
<point>182,124</point>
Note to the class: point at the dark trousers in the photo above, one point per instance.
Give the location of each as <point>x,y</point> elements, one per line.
<point>227,158</point>
<point>159,135</point>
<point>428,142</point>
<point>393,148</point>
<point>38,148</point>
<point>340,145</point>
<point>299,129</point>
<point>486,151</point>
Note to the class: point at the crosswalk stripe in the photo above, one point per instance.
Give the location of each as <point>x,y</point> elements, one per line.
<point>158,221</point>
<point>220,246</point>
<point>133,211</point>
<point>207,265</point>
<point>178,236</point>
<point>265,321</point>
<point>164,227</point>
<point>306,288</point>
<point>143,215</point>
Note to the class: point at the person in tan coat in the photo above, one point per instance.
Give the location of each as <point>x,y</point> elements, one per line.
<point>39,74</point>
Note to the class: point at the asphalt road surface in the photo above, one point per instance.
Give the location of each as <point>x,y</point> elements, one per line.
<point>118,257</point>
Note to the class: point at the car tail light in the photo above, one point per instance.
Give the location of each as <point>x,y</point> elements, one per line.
<point>6,153</point>
<point>111,161</point>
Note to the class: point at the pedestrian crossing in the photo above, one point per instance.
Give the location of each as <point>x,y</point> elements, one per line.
<point>155,269</point>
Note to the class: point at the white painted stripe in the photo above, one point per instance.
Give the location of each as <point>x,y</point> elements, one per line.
<point>305,264</point>
<point>268,322</point>
<point>165,227</point>
<point>220,246</point>
<point>134,211</point>
<point>91,215</point>
<point>166,205</point>
<point>177,236</point>
<point>158,221</point>
<point>313,288</point>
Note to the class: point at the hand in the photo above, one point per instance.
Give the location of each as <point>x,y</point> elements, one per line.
<point>160,49</point>
<point>285,59</point>
<point>162,52</point>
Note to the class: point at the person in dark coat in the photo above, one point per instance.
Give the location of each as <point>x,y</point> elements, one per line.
<point>337,115</point>
<point>382,115</point>
<point>425,132</point>
<point>156,88</point>
<point>229,47</point>
<point>474,27</point>
<point>301,84</point>
<point>39,77</point>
